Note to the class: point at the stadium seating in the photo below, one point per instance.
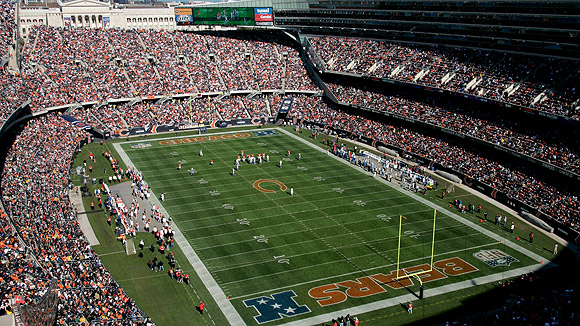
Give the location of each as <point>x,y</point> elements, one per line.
<point>494,133</point>
<point>514,183</point>
<point>534,82</point>
<point>35,194</point>
<point>65,66</point>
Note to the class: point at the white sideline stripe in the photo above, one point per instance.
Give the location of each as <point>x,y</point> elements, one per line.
<point>357,272</point>
<point>231,314</point>
<point>451,214</point>
<point>445,289</point>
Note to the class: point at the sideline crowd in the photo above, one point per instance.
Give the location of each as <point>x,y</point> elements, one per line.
<point>515,184</point>
<point>35,192</point>
<point>501,135</point>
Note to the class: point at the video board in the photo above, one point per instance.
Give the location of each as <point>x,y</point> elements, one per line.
<point>245,16</point>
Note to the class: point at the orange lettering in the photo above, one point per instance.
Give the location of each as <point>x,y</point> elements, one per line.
<point>328,296</point>
<point>389,280</point>
<point>455,266</point>
<point>433,275</point>
<point>364,287</point>
<point>242,135</point>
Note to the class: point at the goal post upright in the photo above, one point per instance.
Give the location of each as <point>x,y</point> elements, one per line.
<point>399,245</point>
<point>416,274</point>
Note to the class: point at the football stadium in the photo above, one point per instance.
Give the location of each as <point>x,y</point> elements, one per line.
<point>270,162</point>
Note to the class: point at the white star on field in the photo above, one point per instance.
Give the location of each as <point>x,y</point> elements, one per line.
<point>289,310</point>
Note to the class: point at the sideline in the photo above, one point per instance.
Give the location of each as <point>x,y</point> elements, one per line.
<point>541,262</point>
<point>76,200</point>
<point>562,241</point>
<point>203,273</point>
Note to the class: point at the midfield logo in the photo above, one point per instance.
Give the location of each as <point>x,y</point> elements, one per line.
<point>276,306</point>
<point>495,257</point>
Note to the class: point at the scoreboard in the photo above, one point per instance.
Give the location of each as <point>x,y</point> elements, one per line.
<point>246,16</point>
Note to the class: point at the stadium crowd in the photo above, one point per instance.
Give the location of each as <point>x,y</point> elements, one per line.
<point>35,194</point>
<point>511,181</point>
<point>525,301</point>
<point>497,134</point>
<point>64,66</point>
<point>10,84</point>
<point>548,85</point>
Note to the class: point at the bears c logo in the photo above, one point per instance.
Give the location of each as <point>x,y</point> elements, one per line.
<point>257,185</point>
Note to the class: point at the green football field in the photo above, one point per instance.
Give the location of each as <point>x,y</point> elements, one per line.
<point>330,249</point>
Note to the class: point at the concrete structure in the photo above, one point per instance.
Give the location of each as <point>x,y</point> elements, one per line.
<point>95,14</point>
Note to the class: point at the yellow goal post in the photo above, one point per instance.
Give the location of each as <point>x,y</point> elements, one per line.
<point>416,274</point>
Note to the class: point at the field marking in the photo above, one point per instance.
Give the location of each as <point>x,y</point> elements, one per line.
<point>429,204</point>
<point>449,213</point>
<point>444,289</point>
<point>221,183</point>
<point>275,199</point>
<point>225,305</point>
<point>366,270</point>
<point>330,246</point>
<point>295,232</point>
<point>224,268</point>
<point>303,211</point>
<point>374,218</point>
<point>112,253</point>
<point>213,217</point>
<point>265,208</point>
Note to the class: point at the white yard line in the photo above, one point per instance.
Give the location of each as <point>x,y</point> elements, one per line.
<point>231,314</point>
<point>449,213</point>
<point>273,290</point>
<point>235,319</point>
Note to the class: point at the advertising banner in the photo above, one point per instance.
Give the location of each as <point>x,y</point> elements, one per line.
<point>264,16</point>
<point>245,16</point>
<point>286,105</point>
<point>76,122</point>
<point>183,16</point>
<point>106,22</point>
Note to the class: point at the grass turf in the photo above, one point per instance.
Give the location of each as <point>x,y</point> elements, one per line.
<point>340,224</point>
